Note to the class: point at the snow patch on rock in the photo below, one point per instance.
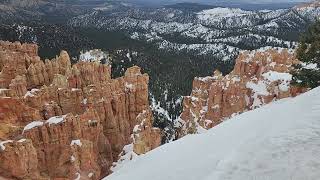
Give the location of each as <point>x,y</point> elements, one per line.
<point>126,156</point>
<point>56,120</point>
<point>31,93</point>
<point>32,125</point>
<point>2,144</point>
<point>76,142</point>
<point>259,88</point>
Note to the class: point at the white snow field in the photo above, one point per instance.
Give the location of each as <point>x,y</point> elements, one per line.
<point>280,141</point>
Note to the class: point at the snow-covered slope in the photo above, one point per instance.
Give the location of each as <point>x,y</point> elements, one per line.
<point>280,141</point>
<point>221,13</point>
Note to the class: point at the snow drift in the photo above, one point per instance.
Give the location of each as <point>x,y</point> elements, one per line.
<point>280,141</point>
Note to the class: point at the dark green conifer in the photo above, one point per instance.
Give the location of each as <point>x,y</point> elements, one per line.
<point>307,74</point>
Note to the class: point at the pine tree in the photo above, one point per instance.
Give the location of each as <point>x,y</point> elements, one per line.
<point>307,74</point>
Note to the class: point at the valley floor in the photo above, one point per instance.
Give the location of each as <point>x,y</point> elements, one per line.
<point>280,141</point>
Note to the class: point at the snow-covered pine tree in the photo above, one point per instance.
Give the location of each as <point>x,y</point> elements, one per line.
<point>307,74</point>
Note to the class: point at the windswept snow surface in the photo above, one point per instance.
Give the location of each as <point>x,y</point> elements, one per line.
<point>221,13</point>
<point>280,141</point>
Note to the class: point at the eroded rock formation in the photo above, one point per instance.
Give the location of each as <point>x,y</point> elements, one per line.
<point>65,121</point>
<point>259,77</point>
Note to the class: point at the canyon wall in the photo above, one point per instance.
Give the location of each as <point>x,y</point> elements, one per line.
<point>259,77</point>
<point>63,121</point>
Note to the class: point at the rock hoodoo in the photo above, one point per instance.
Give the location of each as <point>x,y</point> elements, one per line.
<point>259,77</point>
<point>65,121</point>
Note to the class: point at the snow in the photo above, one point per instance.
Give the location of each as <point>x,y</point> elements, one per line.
<point>85,101</point>
<point>90,175</point>
<point>208,122</point>
<point>31,93</point>
<point>265,11</point>
<point>310,66</point>
<point>129,56</point>
<point>126,156</point>
<point>72,158</point>
<point>214,27</point>
<point>156,107</point>
<point>206,79</point>
<point>236,79</point>
<point>2,143</point>
<point>23,31</point>
<point>56,120</point>
<point>93,55</point>
<point>21,140</point>
<point>273,64</point>
<point>76,142</point>
<point>136,128</point>
<point>129,86</point>
<point>128,153</point>
<point>2,89</point>
<point>75,89</point>
<point>272,24</point>
<point>215,106</point>
<point>221,13</point>
<point>276,76</point>
<point>52,120</point>
<point>32,125</point>
<point>194,99</point>
<point>170,15</point>
<point>259,88</point>
<point>265,49</point>
<point>284,78</point>
<point>78,176</point>
<point>279,141</point>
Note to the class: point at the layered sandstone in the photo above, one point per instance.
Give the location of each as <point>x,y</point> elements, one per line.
<point>259,77</point>
<point>74,120</point>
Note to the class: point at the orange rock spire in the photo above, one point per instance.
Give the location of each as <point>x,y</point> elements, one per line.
<point>59,120</point>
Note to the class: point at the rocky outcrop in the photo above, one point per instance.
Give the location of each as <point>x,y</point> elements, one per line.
<point>14,111</point>
<point>19,159</point>
<point>68,145</point>
<point>259,77</point>
<point>75,119</point>
<point>30,49</point>
<point>145,138</point>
